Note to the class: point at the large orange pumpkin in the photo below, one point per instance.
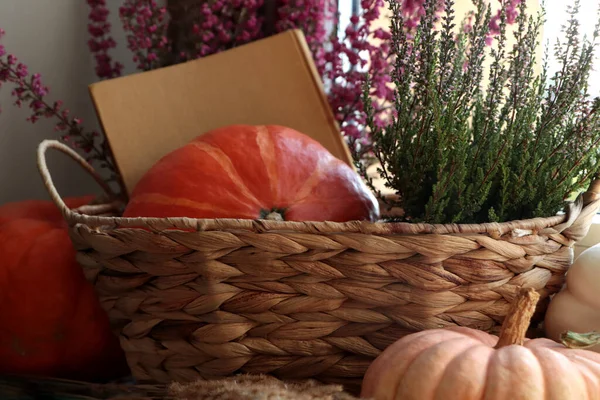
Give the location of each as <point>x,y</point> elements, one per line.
<point>51,322</point>
<point>466,364</point>
<point>251,172</point>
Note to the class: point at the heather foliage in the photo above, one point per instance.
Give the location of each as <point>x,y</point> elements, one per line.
<point>189,29</point>
<point>457,150</point>
<point>184,30</point>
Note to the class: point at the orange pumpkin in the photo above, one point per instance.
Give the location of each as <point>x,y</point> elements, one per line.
<point>52,322</point>
<point>251,172</point>
<point>465,364</point>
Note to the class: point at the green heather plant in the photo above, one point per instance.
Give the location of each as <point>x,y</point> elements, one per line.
<point>459,149</point>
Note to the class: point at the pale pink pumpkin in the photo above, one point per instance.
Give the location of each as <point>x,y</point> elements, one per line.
<point>465,364</point>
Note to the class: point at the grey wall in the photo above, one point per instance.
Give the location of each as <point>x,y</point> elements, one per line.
<point>50,37</point>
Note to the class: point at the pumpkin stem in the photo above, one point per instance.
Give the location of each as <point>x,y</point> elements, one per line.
<point>517,320</point>
<point>274,214</point>
<point>574,340</point>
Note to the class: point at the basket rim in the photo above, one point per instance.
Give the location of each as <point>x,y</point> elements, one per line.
<point>98,217</point>
<point>576,218</point>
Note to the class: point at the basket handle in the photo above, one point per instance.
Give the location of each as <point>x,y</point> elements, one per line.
<point>47,177</point>
<point>592,193</point>
<point>580,214</point>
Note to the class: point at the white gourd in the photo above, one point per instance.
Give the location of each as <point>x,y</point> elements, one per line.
<point>576,307</point>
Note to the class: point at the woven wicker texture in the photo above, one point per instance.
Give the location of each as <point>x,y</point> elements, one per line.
<point>209,298</point>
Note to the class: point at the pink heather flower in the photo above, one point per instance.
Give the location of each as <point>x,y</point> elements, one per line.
<point>101,42</point>
<point>468,25</point>
<point>221,25</point>
<point>312,17</point>
<point>355,46</point>
<point>146,27</point>
<point>21,70</point>
<point>413,10</point>
<point>495,25</point>
<point>37,105</point>
<point>343,61</point>
<point>511,9</point>
<point>37,87</point>
<point>412,6</point>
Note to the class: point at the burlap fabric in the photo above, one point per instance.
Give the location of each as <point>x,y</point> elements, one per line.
<point>259,387</point>
<point>242,387</point>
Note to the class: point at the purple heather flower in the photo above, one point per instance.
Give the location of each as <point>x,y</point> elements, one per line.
<point>101,42</point>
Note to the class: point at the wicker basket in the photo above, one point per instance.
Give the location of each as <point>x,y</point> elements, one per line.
<point>209,298</point>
